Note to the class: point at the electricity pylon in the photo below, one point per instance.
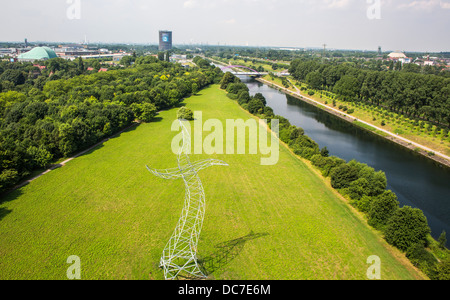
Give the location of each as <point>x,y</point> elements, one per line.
<point>179,257</point>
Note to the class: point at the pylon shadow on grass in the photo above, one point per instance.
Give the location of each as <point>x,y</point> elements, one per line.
<point>226,252</point>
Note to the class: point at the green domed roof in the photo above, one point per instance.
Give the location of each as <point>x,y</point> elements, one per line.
<point>38,53</point>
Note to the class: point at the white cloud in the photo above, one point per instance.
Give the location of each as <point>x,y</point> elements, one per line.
<point>230,21</point>
<point>424,5</point>
<point>331,4</point>
<point>190,4</point>
<point>445,4</point>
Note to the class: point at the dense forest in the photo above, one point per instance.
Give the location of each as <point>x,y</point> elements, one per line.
<point>404,91</point>
<point>52,109</point>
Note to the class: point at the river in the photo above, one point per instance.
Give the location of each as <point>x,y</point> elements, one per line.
<point>417,181</point>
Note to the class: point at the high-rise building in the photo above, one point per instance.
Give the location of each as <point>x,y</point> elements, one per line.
<point>165,40</point>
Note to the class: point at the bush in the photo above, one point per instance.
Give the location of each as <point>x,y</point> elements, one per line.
<point>255,106</point>
<point>358,188</point>
<point>8,178</point>
<point>422,259</point>
<point>382,208</point>
<point>342,176</point>
<point>331,162</point>
<point>443,270</point>
<point>406,227</point>
<point>442,240</point>
<point>363,204</point>
<point>185,114</point>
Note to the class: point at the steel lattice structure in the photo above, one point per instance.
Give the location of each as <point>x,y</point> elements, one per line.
<point>179,257</point>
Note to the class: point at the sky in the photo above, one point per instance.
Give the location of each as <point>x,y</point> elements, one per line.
<point>405,25</point>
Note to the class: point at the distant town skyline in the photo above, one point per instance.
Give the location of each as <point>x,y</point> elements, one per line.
<point>420,25</point>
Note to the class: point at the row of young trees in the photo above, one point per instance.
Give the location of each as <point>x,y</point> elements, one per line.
<point>46,117</point>
<point>412,94</point>
<point>405,228</point>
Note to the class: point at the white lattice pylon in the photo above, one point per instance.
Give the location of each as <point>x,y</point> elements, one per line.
<point>179,257</point>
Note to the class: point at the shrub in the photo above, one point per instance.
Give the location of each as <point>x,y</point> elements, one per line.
<point>422,259</point>
<point>406,227</point>
<point>185,114</point>
<point>442,240</point>
<point>382,208</point>
<point>358,188</point>
<point>364,203</point>
<point>8,178</point>
<point>255,106</point>
<point>343,175</point>
<point>330,163</point>
<point>443,270</point>
<point>324,152</point>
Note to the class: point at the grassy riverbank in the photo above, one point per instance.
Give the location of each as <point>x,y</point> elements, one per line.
<point>106,208</point>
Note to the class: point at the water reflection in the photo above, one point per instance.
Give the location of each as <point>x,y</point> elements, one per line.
<point>417,181</point>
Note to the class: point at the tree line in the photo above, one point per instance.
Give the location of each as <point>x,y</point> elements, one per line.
<point>405,227</point>
<point>54,112</point>
<point>412,94</point>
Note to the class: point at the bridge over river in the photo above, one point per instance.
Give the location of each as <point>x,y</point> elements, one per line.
<point>236,70</point>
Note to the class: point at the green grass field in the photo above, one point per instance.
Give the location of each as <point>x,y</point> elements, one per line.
<point>106,208</point>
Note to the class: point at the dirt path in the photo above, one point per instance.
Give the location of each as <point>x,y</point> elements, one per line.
<point>61,164</point>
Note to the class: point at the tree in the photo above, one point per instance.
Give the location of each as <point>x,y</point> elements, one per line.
<point>382,208</point>
<point>57,64</point>
<point>67,144</point>
<point>442,240</point>
<point>255,106</point>
<point>406,227</point>
<point>96,65</point>
<point>422,259</point>
<point>358,188</point>
<point>194,89</point>
<point>14,76</point>
<point>41,156</point>
<point>260,97</point>
<point>148,112</point>
<point>227,79</point>
<point>324,152</point>
<point>443,270</point>
<point>127,60</point>
<point>314,80</point>
<point>343,175</point>
<point>347,86</point>
<point>243,97</point>
<point>80,65</point>
<point>185,114</point>
<point>8,178</point>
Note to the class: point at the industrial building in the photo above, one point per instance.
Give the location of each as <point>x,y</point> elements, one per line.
<point>37,53</point>
<point>165,40</point>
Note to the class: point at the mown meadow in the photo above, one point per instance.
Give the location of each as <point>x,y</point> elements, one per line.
<point>262,222</point>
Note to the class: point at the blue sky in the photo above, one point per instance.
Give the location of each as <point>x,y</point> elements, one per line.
<point>418,25</point>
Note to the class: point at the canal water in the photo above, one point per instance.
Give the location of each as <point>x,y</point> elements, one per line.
<point>417,181</point>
